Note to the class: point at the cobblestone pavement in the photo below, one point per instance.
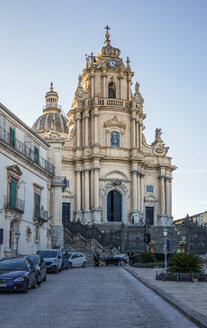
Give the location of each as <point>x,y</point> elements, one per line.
<point>190,297</point>
<point>108,297</point>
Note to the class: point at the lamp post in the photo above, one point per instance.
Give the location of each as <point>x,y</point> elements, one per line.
<point>17,236</point>
<point>165,247</point>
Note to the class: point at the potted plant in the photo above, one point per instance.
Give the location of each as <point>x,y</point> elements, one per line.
<point>152,245</point>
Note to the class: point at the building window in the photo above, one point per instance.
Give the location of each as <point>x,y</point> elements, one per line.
<point>111,90</point>
<point>37,205</point>
<point>65,212</point>
<point>149,189</point>
<point>11,137</point>
<point>36,154</point>
<point>115,139</point>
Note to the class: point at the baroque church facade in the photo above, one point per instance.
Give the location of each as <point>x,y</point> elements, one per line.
<point>114,175</point>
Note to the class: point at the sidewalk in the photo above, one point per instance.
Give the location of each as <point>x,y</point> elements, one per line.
<point>190,298</point>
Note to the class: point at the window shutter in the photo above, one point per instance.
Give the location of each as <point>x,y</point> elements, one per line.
<point>11,137</point>
<point>13,193</point>
<point>37,205</point>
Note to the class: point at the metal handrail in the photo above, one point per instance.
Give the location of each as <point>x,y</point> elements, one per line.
<point>14,204</point>
<point>26,151</point>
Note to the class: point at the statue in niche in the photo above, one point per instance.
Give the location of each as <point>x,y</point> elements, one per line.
<point>111,90</point>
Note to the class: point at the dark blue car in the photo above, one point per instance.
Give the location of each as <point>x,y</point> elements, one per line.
<point>17,274</point>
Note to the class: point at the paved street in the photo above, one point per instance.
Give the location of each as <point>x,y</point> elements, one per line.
<point>108,297</point>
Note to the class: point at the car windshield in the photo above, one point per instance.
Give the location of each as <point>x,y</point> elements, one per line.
<point>48,254</point>
<point>34,259</point>
<point>12,265</point>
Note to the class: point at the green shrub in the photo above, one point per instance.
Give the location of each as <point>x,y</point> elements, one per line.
<point>147,257</point>
<point>185,263</point>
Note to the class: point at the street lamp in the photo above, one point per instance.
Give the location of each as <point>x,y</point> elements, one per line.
<point>165,246</point>
<point>17,236</point>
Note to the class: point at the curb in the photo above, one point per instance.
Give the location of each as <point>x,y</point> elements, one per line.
<point>194,316</point>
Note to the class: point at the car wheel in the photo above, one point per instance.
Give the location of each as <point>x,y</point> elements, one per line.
<point>70,265</point>
<point>122,263</point>
<point>34,285</point>
<point>25,290</point>
<point>84,264</point>
<point>45,277</point>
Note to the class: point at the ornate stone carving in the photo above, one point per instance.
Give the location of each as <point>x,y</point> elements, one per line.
<point>80,94</point>
<point>115,122</point>
<point>137,95</point>
<point>158,145</point>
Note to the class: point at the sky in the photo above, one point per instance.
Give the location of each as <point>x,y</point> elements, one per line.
<point>43,41</point>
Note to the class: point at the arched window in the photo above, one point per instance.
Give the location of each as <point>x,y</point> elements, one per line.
<point>115,139</point>
<point>111,90</point>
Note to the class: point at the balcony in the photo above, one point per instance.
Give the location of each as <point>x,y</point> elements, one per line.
<point>109,102</point>
<point>60,182</point>
<point>14,204</point>
<point>27,152</point>
<point>42,216</point>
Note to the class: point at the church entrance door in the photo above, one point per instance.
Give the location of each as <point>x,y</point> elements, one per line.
<point>114,206</point>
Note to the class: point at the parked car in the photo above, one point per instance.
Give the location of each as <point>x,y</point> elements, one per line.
<point>118,259</point>
<point>52,258</point>
<point>17,274</point>
<point>40,266</point>
<point>77,260</point>
<point>65,259</point>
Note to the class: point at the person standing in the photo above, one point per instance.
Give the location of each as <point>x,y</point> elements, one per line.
<point>131,255</point>
<point>96,259</point>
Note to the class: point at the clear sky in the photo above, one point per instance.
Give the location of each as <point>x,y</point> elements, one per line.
<point>46,40</point>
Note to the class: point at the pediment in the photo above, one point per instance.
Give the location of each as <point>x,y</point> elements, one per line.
<point>115,174</point>
<point>15,169</point>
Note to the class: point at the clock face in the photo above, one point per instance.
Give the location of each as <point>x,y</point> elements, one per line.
<point>112,63</point>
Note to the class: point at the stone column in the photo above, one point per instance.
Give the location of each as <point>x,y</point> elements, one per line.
<point>140,136</point>
<point>133,121</point>
<point>167,198</point>
<point>86,191</point>
<point>162,195</point>
<point>78,131</point>
<point>95,128</point>
<point>104,85</point>
<point>92,86</point>
<point>141,192</point>
<point>170,196</point>
<point>96,187</point>
<point>83,189</point>
<point>78,190</point>
<point>86,117</point>
<point>138,191</point>
<point>91,190</point>
<point>134,190</point>
<point>137,134</point>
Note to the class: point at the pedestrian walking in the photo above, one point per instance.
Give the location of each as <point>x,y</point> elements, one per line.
<point>96,259</point>
<point>131,255</point>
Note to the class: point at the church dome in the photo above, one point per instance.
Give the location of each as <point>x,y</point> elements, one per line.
<point>46,121</point>
<point>52,119</point>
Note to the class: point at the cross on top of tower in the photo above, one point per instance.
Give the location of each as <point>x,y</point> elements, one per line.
<point>107,28</point>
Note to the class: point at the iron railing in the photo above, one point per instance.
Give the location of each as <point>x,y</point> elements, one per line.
<point>15,204</point>
<point>26,151</point>
<point>43,215</point>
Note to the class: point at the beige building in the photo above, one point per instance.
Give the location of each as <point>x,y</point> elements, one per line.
<point>114,175</point>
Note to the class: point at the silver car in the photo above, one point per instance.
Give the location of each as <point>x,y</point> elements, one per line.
<point>77,260</point>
